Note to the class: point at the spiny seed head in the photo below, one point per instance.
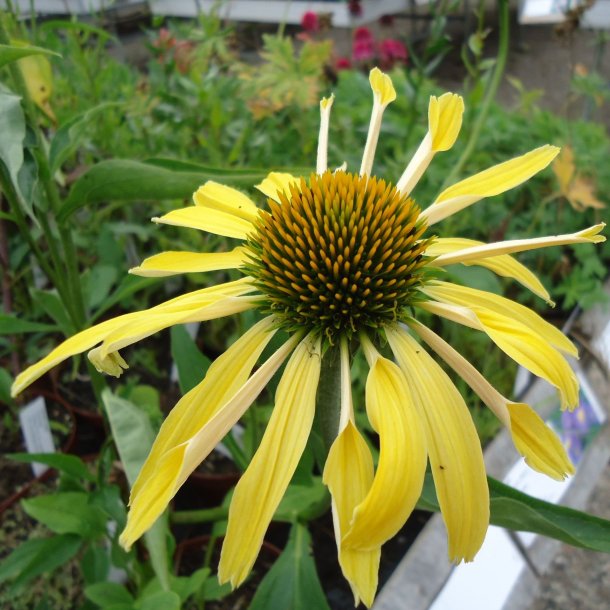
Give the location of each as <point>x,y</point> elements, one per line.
<point>339,254</point>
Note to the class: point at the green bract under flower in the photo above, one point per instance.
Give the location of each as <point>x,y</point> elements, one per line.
<point>338,254</point>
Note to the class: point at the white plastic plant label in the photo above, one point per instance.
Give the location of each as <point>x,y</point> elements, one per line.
<point>36,431</point>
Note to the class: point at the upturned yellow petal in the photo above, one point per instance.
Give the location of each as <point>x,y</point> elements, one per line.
<point>348,473</point>
<point>213,195</point>
<point>275,183</point>
<point>402,458</point>
<point>260,489</point>
<point>503,264</point>
<point>471,297</point>
<point>519,342</point>
<point>326,103</point>
<point>492,181</point>
<point>444,124</point>
<point>479,251</point>
<point>445,120</point>
<point>171,263</point>
<point>214,221</point>
<point>156,483</point>
<point>382,87</point>
<point>454,449</point>
<point>532,438</point>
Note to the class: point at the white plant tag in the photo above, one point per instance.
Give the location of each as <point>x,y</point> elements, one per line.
<point>36,431</point>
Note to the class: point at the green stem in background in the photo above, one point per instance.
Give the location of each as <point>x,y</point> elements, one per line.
<point>204,515</point>
<point>490,93</point>
<point>74,302</point>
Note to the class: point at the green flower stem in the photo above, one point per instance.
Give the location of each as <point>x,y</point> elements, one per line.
<point>490,94</point>
<point>328,398</point>
<point>204,515</point>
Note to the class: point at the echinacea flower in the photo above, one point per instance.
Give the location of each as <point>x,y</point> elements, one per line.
<point>338,260</point>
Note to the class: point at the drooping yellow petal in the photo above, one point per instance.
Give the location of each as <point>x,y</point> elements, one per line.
<point>326,103</point>
<point>537,443</point>
<point>158,483</point>
<point>519,342</point>
<point>225,376</point>
<point>215,196</point>
<point>348,473</point>
<point>383,94</point>
<point>112,364</point>
<point>533,439</point>
<point>444,124</point>
<point>171,263</point>
<point>219,222</point>
<point>503,265</point>
<point>471,297</point>
<point>454,449</point>
<point>478,252</point>
<point>260,489</point>
<point>492,181</point>
<point>87,339</point>
<point>277,182</point>
<point>402,457</point>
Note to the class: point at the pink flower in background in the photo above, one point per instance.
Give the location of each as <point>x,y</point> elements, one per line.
<point>392,51</point>
<point>310,21</point>
<point>343,63</point>
<point>355,8</point>
<point>363,45</point>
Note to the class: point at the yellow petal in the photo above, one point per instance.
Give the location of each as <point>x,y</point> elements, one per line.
<point>519,342</point>
<point>563,167</point>
<point>213,195</point>
<point>225,376</point>
<point>322,161</point>
<point>210,220</point>
<point>143,327</point>
<point>476,253</point>
<point>444,124</point>
<point>445,120</point>
<point>171,263</point>
<point>275,183</point>
<point>471,297</point>
<point>533,439</point>
<point>454,449</point>
<point>90,337</point>
<point>260,489</point>
<point>161,487</point>
<point>382,87</point>
<point>112,364</point>
<point>503,265</point>
<point>402,459</point>
<point>582,193</point>
<point>348,472</point>
<point>492,181</point>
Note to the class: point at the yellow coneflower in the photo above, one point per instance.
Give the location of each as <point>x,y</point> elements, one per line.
<point>343,259</point>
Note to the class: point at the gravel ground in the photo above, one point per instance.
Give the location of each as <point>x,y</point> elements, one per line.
<point>578,579</point>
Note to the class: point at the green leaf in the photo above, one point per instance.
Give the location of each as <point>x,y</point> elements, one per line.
<point>190,362</point>
<point>107,593</point>
<point>12,325</point>
<point>95,564</point>
<point>185,586</point>
<point>515,510</point>
<point>10,53</point>
<point>37,556</point>
<point>163,600</point>
<point>98,282</point>
<point>292,583</point>
<point>303,502</point>
<point>134,435</point>
<point>69,464</point>
<point>12,128</point>
<point>6,380</point>
<point>124,180</point>
<point>70,135</point>
<point>68,512</point>
<point>55,309</point>
<point>129,284</point>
